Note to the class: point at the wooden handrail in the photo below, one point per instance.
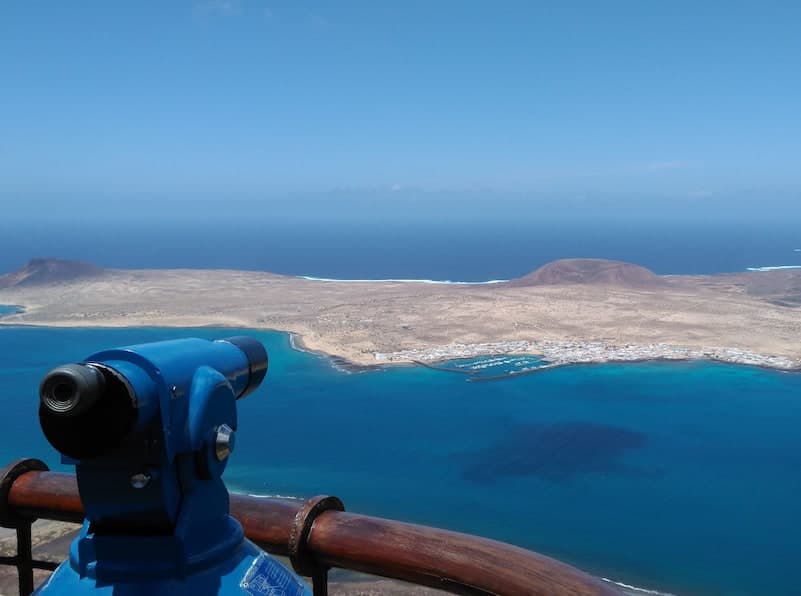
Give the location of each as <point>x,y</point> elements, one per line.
<point>450,561</point>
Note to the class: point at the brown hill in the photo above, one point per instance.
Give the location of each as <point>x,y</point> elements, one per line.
<point>591,271</point>
<point>48,271</point>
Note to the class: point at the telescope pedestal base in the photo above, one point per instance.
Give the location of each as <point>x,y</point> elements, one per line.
<point>251,572</point>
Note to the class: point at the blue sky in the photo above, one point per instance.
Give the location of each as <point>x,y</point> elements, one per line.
<point>685,101</point>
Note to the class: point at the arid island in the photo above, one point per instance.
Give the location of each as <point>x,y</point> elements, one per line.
<point>568,311</point>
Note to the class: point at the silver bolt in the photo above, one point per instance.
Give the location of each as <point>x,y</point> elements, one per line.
<point>140,480</point>
<point>223,442</point>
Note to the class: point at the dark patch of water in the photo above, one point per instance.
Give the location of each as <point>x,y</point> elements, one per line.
<point>555,452</point>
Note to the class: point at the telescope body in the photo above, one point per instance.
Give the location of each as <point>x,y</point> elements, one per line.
<point>150,429</point>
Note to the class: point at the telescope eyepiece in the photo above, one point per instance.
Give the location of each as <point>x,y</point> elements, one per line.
<point>70,390</point>
<point>86,410</point>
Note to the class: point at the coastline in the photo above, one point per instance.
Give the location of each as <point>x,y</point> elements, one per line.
<point>558,354</point>
<point>404,281</point>
<point>340,363</point>
<point>567,353</point>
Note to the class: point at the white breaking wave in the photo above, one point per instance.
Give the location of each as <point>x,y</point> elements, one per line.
<point>797,250</point>
<point>636,589</point>
<point>287,497</point>
<point>776,268</point>
<point>406,281</point>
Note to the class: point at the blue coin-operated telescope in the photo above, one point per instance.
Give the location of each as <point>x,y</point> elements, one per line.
<point>150,429</point>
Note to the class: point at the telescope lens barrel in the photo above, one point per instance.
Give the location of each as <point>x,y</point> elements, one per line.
<point>257,360</point>
<point>70,390</point>
<point>85,410</point>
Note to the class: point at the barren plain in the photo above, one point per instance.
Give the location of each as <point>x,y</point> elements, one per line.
<point>581,310</point>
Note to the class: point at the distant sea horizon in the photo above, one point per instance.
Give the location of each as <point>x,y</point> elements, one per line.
<point>463,251</point>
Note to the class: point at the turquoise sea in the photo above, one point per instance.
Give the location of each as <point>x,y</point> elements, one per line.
<point>680,477</point>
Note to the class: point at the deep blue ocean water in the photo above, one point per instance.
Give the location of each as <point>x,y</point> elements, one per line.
<point>471,250</point>
<point>682,477</point>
